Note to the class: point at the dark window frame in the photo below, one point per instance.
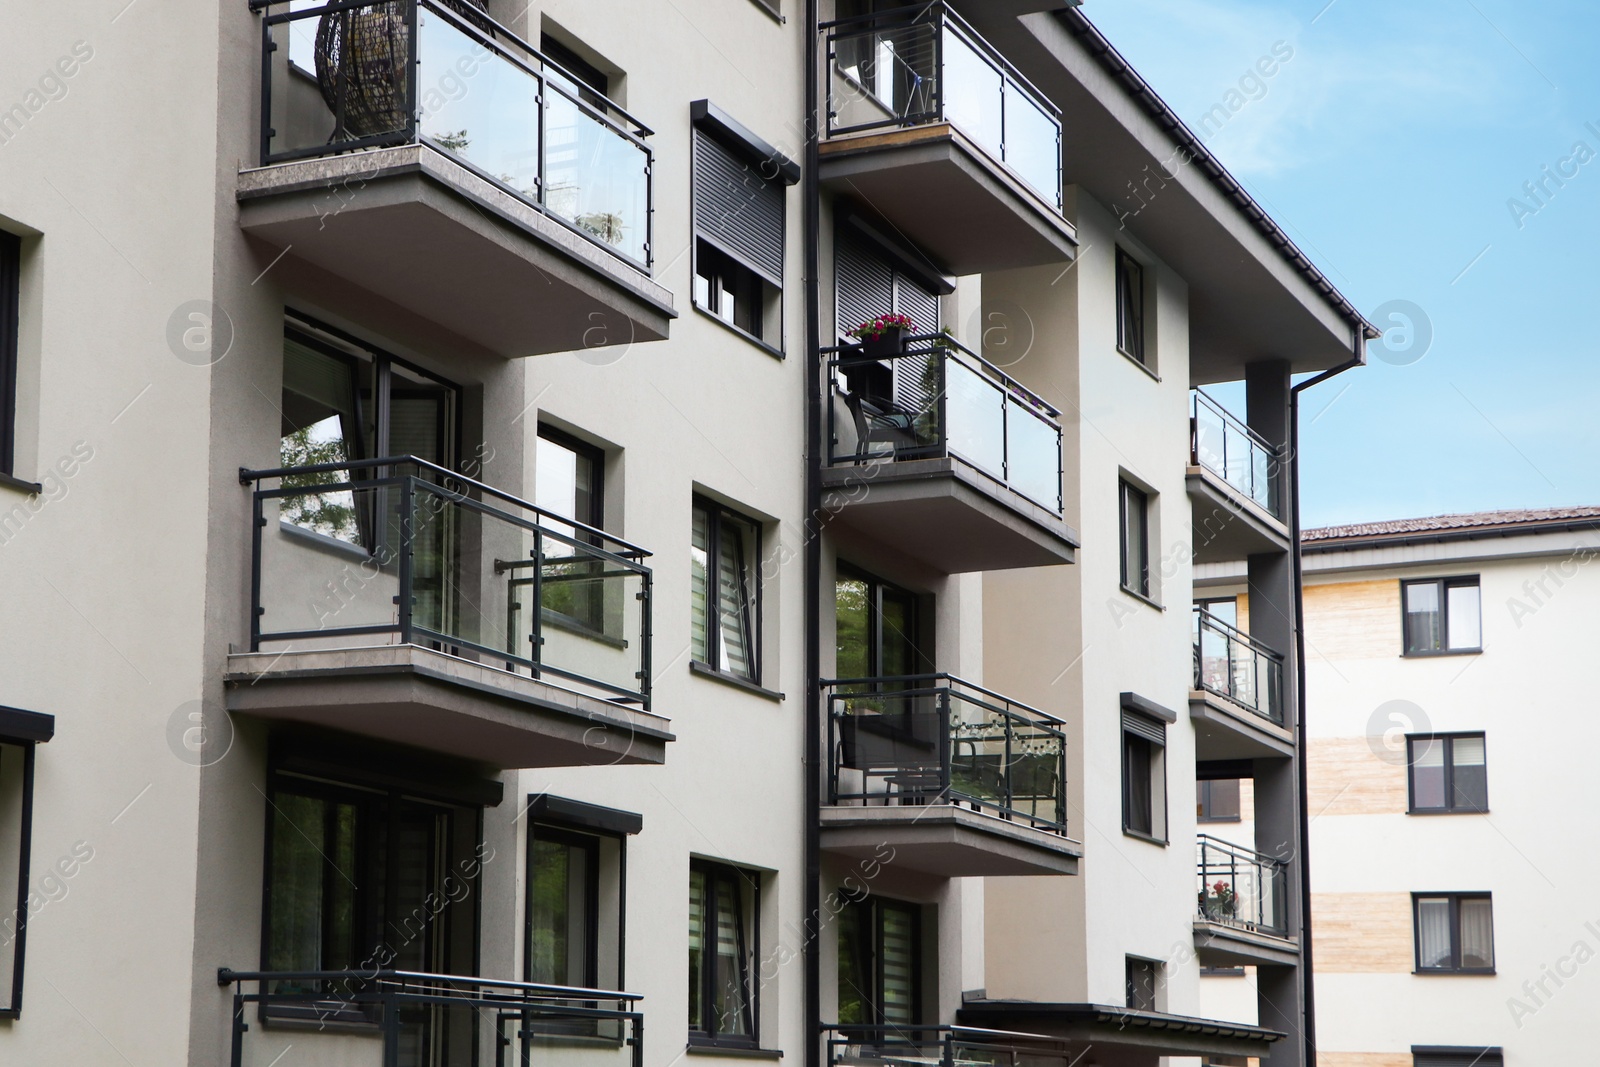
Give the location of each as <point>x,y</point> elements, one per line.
<point>1204,799</point>
<point>26,730</point>
<point>1134,968</point>
<point>1450,806</point>
<point>1444,586</point>
<point>1132,316</point>
<point>1457,1056</point>
<point>877,589</point>
<point>1129,801</point>
<point>596,456</point>
<point>738,283</point>
<point>869,914</point>
<point>1127,494</point>
<point>589,843</point>
<point>748,933</point>
<point>706,252</point>
<point>1455,899</point>
<point>590,82</point>
<point>714,511</point>
<point>10,339</point>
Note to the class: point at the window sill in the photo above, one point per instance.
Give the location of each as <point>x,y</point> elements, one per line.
<point>1219,818</point>
<point>567,624</point>
<point>749,1052</point>
<point>1437,653</point>
<point>1147,838</point>
<point>698,668</point>
<point>10,481</point>
<point>323,542</point>
<point>1476,972</point>
<point>775,353</point>
<point>775,16</point>
<point>1137,362</point>
<point>1447,811</point>
<point>1143,599</point>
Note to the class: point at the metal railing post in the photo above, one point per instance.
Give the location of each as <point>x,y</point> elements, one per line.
<point>646,636</point>
<point>536,609</point>
<point>391,1029</point>
<point>259,520</point>
<point>407,561</point>
<point>239,1026</point>
<point>944,744</point>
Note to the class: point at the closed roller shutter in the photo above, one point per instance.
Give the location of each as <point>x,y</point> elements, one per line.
<point>737,210</point>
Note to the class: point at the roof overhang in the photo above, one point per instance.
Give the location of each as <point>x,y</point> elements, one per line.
<point>1109,1027</point>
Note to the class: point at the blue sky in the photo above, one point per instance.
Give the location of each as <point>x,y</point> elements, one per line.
<point>1388,147</point>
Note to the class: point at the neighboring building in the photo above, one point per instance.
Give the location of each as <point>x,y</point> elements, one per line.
<point>1441,885</point>
<point>476,597</point>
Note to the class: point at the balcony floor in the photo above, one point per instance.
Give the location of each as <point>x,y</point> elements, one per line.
<point>1227,524</point>
<point>1225,945</point>
<point>441,703</point>
<point>946,841</point>
<point>1224,730</point>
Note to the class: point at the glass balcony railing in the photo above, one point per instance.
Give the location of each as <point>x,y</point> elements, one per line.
<point>341,76</point>
<point>433,1020</point>
<point>905,1045</point>
<point>1241,888</point>
<point>401,551</point>
<point>934,739</point>
<point>921,65</point>
<point>934,398</point>
<point>1234,452</point>
<point>1234,665</point>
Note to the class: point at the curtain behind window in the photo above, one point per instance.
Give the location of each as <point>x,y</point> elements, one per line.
<point>1433,932</point>
<point>1477,933</point>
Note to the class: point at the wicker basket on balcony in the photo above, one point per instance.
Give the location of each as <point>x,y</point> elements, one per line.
<point>362,55</point>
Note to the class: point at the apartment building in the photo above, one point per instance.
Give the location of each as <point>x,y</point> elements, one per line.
<point>577,514</point>
<point>1438,885</point>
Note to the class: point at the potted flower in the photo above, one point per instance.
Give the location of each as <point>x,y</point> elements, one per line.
<point>1220,901</point>
<point>883,336</point>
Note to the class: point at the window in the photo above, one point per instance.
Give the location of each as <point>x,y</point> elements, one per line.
<point>1456,1056</point>
<point>589,82</point>
<point>1142,976</point>
<point>740,192</point>
<point>1455,933</point>
<point>1144,776</point>
<point>723,942</point>
<point>569,480</point>
<point>1449,773</point>
<point>1224,609</point>
<point>1217,801</point>
<point>10,330</point>
<point>876,629</point>
<point>576,880</point>
<point>1442,615</point>
<point>1130,307</point>
<point>20,734</point>
<point>725,594</point>
<point>1134,512</point>
<point>880,963</point>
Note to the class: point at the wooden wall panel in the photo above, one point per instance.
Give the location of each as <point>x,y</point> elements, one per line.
<point>1363,1059</point>
<point>1362,933</point>
<point>1346,777</point>
<point>1353,620</point>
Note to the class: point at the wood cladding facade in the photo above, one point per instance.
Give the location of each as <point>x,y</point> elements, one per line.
<point>1362,933</point>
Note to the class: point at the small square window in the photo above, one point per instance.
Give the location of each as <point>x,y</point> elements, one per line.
<point>1217,801</point>
<point>1454,933</point>
<point>1130,307</point>
<point>1442,615</point>
<point>1134,514</point>
<point>1449,773</point>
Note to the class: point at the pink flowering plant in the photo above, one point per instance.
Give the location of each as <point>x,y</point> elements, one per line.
<point>876,328</point>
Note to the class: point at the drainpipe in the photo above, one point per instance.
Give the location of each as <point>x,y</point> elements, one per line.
<point>812,195</point>
<point>1308,1027</point>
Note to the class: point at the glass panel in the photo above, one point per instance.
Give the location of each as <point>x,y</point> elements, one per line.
<point>338,77</point>
<point>567,483</point>
<point>976,415</point>
<point>309,878</point>
<point>697,927</point>
<point>972,90</point>
<point>478,105</point>
<point>1433,932</point>
<point>1427,773</point>
<point>855,986</point>
<point>596,178</point>
<point>852,628</point>
<point>321,424</point>
<point>1136,784</point>
<point>1422,617</point>
<point>559,914</point>
<point>1477,933</point>
<point>732,1006</point>
<point>699,546</point>
<point>1033,454</point>
<point>1158,790</point>
<point>899,965</point>
<point>898,633</point>
<point>1210,440</point>
<point>1462,616</point>
<point>736,591</point>
<point>1469,774</point>
<point>1033,144</point>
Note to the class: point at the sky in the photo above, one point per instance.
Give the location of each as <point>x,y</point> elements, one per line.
<point>1391,146</point>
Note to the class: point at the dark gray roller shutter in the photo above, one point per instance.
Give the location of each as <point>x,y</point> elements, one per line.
<point>916,304</point>
<point>1466,1057</point>
<point>737,210</point>
<point>1144,726</point>
<point>863,282</point>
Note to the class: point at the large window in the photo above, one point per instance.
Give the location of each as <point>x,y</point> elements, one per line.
<point>1442,615</point>
<point>876,628</point>
<point>1130,307</point>
<point>724,939</point>
<point>10,328</point>
<point>576,882</point>
<point>1455,933</point>
<point>1144,776</point>
<point>739,214</point>
<point>569,481</point>
<point>20,734</point>
<point>725,609</point>
<point>880,963</point>
<point>1449,773</point>
<point>1134,515</point>
<point>1217,801</point>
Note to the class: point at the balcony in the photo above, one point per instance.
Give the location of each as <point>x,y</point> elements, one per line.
<point>400,1017</point>
<point>395,600</point>
<point>1237,701</point>
<point>940,454</point>
<point>941,1046</point>
<point>1242,918</point>
<point>1234,477</point>
<point>422,153</point>
<point>931,127</point>
<point>957,780</point>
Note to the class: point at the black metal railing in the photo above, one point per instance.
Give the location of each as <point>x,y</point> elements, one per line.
<point>436,1020</point>
<point>921,65</point>
<point>404,549</point>
<point>1232,664</point>
<point>936,398</point>
<point>1241,888</point>
<point>935,739</point>
<point>1234,452</point>
<point>346,75</point>
<point>941,1046</point>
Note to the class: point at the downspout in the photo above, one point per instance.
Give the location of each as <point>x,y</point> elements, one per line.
<point>811,530</point>
<point>1308,1027</point>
